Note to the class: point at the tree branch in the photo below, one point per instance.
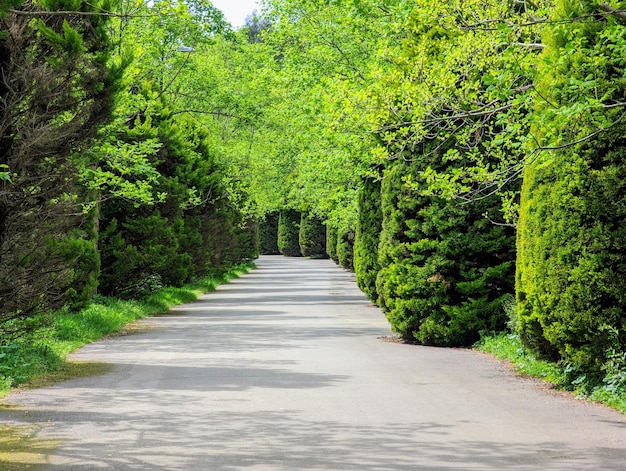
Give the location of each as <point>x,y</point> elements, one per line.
<point>78,13</point>
<point>621,14</point>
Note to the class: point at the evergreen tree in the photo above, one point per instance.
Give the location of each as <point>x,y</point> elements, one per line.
<point>367,237</point>
<point>56,88</point>
<point>446,270</point>
<point>268,234</point>
<point>289,233</point>
<point>312,236</point>
<point>571,238</point>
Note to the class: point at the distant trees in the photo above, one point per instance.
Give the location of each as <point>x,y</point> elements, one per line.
<point>312,235</point>
<point>289,233</point>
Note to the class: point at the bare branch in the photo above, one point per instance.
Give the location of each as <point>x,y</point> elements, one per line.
<point>621,14</point>
<point>79,13</point>
<point>538,46</point>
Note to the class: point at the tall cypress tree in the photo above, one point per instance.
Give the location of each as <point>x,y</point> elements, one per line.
<point>571,237</point>
<point>367,237</point>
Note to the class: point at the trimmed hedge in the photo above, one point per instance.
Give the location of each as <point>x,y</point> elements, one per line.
<point>446,271</point>
<point>572,231</point>
<point>312,236</point>
<point>368,227</point>
<point>289,233</point>
<point>268,235</point>
<point>345,248</point>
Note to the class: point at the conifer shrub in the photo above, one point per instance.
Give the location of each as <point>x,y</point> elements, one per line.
<point>331,242</point>
<point>446,270</point>
<point>231,237</point>
<point>312,235</point>
<point>289,233</point>
<point>137,249</point>
<point>368,227</point>
<point>345,248</point>
<point>268,234</point>
<point>572,236</point>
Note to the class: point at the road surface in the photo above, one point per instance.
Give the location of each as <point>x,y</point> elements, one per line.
<point>291,368</point>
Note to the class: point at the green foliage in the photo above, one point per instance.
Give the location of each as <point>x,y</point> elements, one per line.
<point>508,346</point>
<point>571,266</point>
<point>331,241</point>
<point>57,88</point>
<point>268,234</point>
<point>289,233</point>
<point>139,249</point>
<point>312,235</point>
<point>345,248</point>
<point>368,227</point>
<point>445,269</point>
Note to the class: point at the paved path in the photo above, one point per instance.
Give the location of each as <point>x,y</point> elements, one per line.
<point>285,369</point>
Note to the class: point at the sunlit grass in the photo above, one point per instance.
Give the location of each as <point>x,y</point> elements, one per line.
<point>508,347</point>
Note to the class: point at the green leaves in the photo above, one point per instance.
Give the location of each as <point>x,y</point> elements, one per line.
<point>5,175</point>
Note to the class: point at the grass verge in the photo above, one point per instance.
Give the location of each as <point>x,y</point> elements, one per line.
<point>611,392</point>
<point>40,357</point>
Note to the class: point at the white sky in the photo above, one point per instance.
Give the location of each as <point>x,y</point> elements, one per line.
<point>236,10</point>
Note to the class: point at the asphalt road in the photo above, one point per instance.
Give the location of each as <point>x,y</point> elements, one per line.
<point>288,368</point>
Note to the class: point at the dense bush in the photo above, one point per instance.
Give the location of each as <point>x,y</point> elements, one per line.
<point>446,270</point>
<point>268,234</point>
<point>178,237</point>
<point>312,236</point>
<point>367,236</point>
<point>331,241</point>
<point>572,237</point>
<point>230,237</point>
<point>289,233</point>
<point>56,88</point>
<point>345,248</point>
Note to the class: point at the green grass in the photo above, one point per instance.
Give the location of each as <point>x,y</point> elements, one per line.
<point>40,356</point>
<point>611,392</point>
